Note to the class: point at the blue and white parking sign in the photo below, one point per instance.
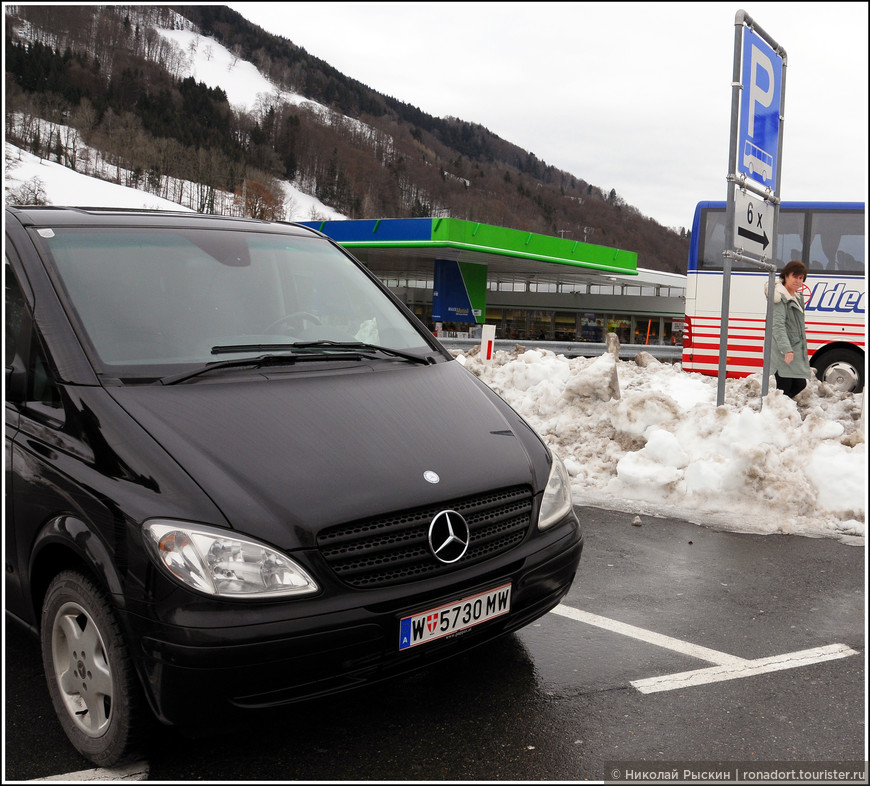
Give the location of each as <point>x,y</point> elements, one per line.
<point>758,141</point>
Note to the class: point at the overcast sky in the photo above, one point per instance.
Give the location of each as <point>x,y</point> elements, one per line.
<point>630,96</point>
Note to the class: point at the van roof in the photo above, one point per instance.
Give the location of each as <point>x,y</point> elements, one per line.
<point>52,215</point>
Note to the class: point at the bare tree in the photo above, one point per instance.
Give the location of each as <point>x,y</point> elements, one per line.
<point>31,192</point>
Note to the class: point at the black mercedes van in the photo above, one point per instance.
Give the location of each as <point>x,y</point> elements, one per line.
<point>241,473</point>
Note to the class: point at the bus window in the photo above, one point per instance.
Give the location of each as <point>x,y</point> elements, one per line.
<point>713,240</point>
<point>790,236</point>
<point>837,243</point>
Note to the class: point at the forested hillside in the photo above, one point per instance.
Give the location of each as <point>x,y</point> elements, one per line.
<point>106,72</point>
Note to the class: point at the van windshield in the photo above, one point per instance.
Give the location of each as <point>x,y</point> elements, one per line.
<point>148,299</point>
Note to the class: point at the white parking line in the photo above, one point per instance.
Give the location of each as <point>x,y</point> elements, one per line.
<point>728,667</point>
<point>131,772</point>
<point>684,647</point>
<point>759,666</point>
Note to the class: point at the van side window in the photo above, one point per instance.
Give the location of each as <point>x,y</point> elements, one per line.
<point>24,349</point>
<point>43,392</point>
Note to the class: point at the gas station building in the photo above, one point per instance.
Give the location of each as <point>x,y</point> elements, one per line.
<point>457,275</point>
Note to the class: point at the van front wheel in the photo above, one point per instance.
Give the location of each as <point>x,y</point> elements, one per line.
<point>90,677</point>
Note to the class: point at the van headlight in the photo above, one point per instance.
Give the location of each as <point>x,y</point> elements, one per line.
<point>556,502</point>
<point>220,562</point>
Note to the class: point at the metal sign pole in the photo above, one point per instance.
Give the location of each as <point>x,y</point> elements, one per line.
<point>729,210</point>
<point>768,321</point>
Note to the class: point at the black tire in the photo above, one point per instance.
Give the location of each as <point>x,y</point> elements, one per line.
<point>91,680</point>
<point>841,368</point>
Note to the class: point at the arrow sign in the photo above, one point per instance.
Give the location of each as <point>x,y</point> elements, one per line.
<point>752,219</point>
<point>762,240</point>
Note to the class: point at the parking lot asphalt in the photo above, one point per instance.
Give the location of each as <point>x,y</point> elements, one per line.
<point>559,699</point>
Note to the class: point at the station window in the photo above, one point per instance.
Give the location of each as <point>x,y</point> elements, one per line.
<point>621,326</point>
<point>591,327</point>
<point>646,330</point>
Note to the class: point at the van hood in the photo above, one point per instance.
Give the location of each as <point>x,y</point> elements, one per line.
<point>285,454</point>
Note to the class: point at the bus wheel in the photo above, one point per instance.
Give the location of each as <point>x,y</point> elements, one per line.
<point>842,369</point>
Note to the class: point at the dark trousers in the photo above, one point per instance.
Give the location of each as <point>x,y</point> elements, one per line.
<point>791,386</point>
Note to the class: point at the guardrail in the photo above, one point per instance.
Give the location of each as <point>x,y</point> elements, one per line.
<point>572,349</point>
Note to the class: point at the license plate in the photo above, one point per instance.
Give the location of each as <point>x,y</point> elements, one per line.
<point>454,617</point>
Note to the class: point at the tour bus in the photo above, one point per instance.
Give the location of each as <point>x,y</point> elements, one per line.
<point>828,237</point>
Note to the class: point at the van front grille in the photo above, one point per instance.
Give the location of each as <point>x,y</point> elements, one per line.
<point>394,549</point>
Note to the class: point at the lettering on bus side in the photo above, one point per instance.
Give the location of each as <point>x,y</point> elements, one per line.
<point>835,298</point>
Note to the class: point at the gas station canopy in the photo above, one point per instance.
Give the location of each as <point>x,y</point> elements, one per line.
<point>408,247</point>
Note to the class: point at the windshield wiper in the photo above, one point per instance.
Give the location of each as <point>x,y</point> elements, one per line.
<point>425,360</point>
<point>256,362</point>
<point>291,354</point>
<point>226,349</point>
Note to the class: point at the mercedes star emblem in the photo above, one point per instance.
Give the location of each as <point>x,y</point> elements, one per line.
<point>448,536</point>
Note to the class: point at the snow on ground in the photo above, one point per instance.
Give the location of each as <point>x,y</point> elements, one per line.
<point>209,62</point>
<point>63,186</point>
<point>247,89</point>
<point>646,437</point>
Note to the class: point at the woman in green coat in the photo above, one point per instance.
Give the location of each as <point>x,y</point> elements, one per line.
<point>789,359</point>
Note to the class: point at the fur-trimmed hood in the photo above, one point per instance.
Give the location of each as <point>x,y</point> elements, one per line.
<point>780,293</point>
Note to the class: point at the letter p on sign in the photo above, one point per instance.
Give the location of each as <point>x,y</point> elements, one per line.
<point>756,94</point>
